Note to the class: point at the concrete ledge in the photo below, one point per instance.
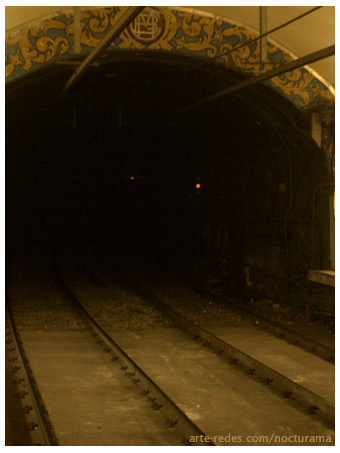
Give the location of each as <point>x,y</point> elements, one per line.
<point>322,276</point>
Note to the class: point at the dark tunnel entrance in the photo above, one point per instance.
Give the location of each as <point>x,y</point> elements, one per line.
<point>114,165</point>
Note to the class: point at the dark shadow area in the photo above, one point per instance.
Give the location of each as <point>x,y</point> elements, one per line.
<point>114,165</point>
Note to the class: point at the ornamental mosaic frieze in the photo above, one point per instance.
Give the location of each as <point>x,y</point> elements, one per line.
<point>159,29</point>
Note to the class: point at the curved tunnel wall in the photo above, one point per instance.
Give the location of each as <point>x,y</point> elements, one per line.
<point>159,29</point>
<point>254,242</point>
<point>167,30</point>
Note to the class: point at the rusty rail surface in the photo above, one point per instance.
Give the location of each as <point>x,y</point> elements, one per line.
<point>36,417</point>
<point>308,344</point>
<point>175,416</point>
<point>288,388</point>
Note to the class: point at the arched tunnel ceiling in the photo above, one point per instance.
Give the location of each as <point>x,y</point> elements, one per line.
<point>73,160</point>
<point>311,33</point>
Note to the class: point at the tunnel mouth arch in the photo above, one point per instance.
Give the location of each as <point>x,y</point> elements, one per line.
<point>190,82</point>
<point>251,150</point>
<point>178,31</point>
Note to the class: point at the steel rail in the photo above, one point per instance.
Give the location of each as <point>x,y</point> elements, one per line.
<point>148,387</point>
<point>288,388</point>
<point>292,65</point>
<point>308,344</point>
<point>39,425</point>
<point>130,14</point>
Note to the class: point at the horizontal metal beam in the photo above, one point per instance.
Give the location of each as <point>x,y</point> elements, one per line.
<point>130,14</point>
<point>295,64</point>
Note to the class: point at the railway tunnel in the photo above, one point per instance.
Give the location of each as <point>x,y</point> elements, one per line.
<point>136,164</point>
<point>238,183</point>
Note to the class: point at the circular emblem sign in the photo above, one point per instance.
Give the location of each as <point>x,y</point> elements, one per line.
<point>148,26</point>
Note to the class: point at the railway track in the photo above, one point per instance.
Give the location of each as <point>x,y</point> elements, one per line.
<point>37,423</point>
<point>287,387</point>
<point>235,305</point>
<point>308,344</point>
<point>151,376</point>
<point>158,399</point>
<point>151,417</point>
<point>314,405</point>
